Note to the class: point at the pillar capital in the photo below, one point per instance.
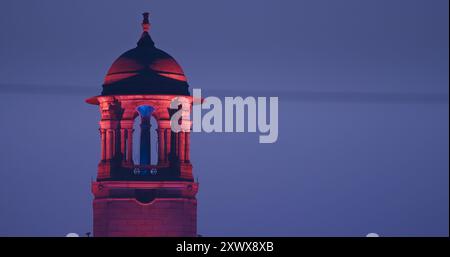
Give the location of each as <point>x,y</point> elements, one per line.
<point>109,124</point>
<point>127,124</point>
<point>163,124</point>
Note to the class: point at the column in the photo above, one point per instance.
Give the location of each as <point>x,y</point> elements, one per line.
<point>130,145</point>
<point>114,143</point>
<point>168,145</point>
<point>188,146</point>
<point>164,136</point>
<point>161,145</point>
<point>123,148</point>
<point>176,138</point>
<point>181,146</point>
<point>109,144</point>
<point>126,140</point>
<point>103,143</point>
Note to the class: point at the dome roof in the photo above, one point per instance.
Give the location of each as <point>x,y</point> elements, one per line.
<point>145,70</point>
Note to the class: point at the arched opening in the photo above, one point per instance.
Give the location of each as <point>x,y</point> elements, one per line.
<point>145,138</point>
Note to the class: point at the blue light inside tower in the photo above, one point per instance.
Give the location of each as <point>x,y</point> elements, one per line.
<point>145,112</point>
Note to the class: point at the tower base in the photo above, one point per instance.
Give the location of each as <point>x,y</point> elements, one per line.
<point>145,209</point>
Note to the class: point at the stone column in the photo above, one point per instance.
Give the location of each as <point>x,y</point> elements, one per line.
<point>181,146</point>
<point>114,143</point>
<point>167,134</point>
<point>126,140</point>
<point>176,137</point>
<point>161,145</point>
<point>123,149</point>
<point>103,143</point>
<point>130,145</point>
<point>109,144</point>
<point>167,146</point>
<point>163,140</point>
<point>188,146</point>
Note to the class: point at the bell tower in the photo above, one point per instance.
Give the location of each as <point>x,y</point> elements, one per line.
<point>138,198</point>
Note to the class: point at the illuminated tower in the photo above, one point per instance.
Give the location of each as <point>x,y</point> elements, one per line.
<point>144,199</point>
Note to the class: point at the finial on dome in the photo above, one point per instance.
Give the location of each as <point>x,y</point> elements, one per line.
<point>145,40</point>
<point>145,22</point>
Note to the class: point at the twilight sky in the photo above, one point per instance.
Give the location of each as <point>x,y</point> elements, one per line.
<point>363,128</point>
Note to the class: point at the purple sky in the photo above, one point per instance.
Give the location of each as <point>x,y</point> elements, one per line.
<point>339,168</point>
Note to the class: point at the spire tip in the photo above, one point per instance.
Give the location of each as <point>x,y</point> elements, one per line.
<point>145,22</point>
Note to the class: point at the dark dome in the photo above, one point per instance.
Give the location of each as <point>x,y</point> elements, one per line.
<point>145,70</point>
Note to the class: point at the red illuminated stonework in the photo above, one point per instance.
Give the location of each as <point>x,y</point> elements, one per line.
<point>141,199</point>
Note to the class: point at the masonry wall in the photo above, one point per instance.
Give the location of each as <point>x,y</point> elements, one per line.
<point>126,217</point>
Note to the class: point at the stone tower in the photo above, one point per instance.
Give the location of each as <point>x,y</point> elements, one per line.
<point>144,199</point>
